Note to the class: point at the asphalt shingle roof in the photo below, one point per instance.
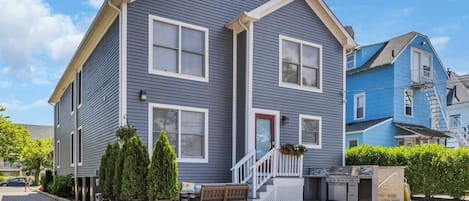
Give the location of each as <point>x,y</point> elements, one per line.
<point>38,131</point>
<point>359,126</point>
<point>416,129</point>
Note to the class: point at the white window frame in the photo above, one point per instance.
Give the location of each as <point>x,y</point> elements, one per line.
<point>354,61</point>
<point>452,119</point>
<point>80,89</point>
<point>80,146</point>
<point>300,86</point>
<point>422,52</point>
<point>411,102</point>
<point>300,132</point>
<point>57,152</point>
<point>151,20</point>
<point>355,98</point>
<point>72,85</point>
<point>58,114</point>
<point>72,148</point>
<point>350,140</point>
<point>179,108</point>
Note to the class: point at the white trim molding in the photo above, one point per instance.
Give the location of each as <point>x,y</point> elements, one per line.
<point>300,131</point>
<point>79,146</point>
<point>179,108</point>
<point>299,86</point>
<point>355,98</point>
<point>252,138</point>
<point>123,65</point>
<point>180,25</point>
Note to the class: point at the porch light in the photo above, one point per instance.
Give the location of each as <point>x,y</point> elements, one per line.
<point>284,120</point>
<point>143,95</point>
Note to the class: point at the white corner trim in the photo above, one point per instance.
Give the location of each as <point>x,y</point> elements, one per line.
<point>274,113</point>
<point>123,65</point>
<point>300,128</point>
<point>300,85</point>
<point>179,109</point>
<point>344,102</point>
<point>57,152</point>
<point>267,8</point>
<point>234,106</point>
<point>355,97</point>
<point>250,124</point>
<point>151,20</point>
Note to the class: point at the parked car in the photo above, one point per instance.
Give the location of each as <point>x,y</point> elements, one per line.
<point>19,181</point>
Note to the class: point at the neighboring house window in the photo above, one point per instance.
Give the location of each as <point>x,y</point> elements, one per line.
<point>350,61</point>
<point>80,146</point>
<point>455,121</point>
<point>72,149</point>
<point>73,96</point>
<point>58,114</point>
<point>310,131</point>
<point>178,49</point>
<point>352,143</point>
<point>359,106</point>
<point>400,142</point>
<point>300,64</point>
<point>79,85</point>
<point>187,130</point>
<point>408,102</point>
<point>57,148</point>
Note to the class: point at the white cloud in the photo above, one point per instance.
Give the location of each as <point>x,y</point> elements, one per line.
<point>30,31</point>
<point>5,84</point>
<point>440,42</point>
<point>95,3</point>
<point>21,106</point>
<point>404,12</point>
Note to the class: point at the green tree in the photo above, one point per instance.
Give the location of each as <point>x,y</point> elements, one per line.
<point>163,172</point>
<point>116,184</point>
<point>107,172</point>
<point>13,138</point>
<point>103,168</point>
<point>135,168</point>
<point>38,156</point>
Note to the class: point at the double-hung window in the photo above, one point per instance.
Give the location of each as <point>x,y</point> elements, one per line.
<point>351,61</point>
<point>359,106</point>
<point>455,121</point>
<point>310,131</point>
<point>186,128</point>
<point>57,152</point>
<point>352,143</point>
<point>72,149</point>
<point>80,146</point>
<point>408,102</point>
<point>300,64</point>
<point>178,49</point>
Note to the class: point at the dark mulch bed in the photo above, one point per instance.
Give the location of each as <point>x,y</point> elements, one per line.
<point>433,199</point>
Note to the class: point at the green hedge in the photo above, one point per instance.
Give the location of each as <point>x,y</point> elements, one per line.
<point>430,169</point>
<point>62,186</point>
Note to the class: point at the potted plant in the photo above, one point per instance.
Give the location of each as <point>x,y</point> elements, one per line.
<point>293,149</point>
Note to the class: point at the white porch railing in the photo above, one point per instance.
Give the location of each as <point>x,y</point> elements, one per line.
<point>272,164</point>
<point>242,171</point>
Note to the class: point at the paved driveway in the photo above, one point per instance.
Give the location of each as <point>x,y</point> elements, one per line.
<point>18,194</point>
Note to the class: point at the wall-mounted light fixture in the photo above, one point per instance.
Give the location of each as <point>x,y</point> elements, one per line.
<point>284,120</point>
<point>143,95</point>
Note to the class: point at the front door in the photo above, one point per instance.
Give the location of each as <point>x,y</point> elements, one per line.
<point>264,134</point>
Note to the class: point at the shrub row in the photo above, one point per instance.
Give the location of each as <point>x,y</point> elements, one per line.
<point>430,169</point>
<point>61,186</point>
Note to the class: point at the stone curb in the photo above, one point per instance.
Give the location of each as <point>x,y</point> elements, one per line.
<point>53,197</point>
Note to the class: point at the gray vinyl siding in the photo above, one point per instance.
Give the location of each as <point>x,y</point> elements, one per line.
<point>99,113</point>
<point>241,95</point>
<point>297,20</point>
<point>215,95</point>
<point>62,133</point>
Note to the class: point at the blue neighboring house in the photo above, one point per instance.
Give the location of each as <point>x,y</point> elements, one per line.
<point>396,93</point>
<point>229,81</point>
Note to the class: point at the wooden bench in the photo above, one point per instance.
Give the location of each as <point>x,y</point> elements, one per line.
<point>223,192</point>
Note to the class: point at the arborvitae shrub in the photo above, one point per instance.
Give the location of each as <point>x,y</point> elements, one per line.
<point>163,172</point>
<point>134,172</point>
<point>102,171</point>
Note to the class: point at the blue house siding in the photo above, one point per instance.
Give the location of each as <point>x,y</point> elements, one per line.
<point>62,133</point>
<point>366,52</point>
<point>99,113</point>
<point>382,135</point>
<point>215,95</point>
<point>378,85</point>
<point>402,71</point>
<point>356,136</point>
<point>267,94</point>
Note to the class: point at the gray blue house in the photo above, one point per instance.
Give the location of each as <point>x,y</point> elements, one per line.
<point>396,93</point>
<point>230,82</point>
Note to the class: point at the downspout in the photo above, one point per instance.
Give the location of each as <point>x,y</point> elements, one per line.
<point>75,120</point>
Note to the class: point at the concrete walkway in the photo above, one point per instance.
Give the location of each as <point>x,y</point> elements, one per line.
<point>18,194</point>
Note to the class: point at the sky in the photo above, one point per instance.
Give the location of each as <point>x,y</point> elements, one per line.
<point>38,38</point>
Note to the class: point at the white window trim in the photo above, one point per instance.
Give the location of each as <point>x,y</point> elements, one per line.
<point>355,96</point>
<point>179,109</point>
<point>73,100</point>
<point>300,135</point>
<point>80,89</point>
<point>153,18</point>
<point>354,61</point>
<point>422,52</point>
<point>411,103</point>
<point>58,114</point>
<point>80,160</point>
<point>352,139</point>
<point>72,152</point>
<point>296,86</point>
<point>57,144</point>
